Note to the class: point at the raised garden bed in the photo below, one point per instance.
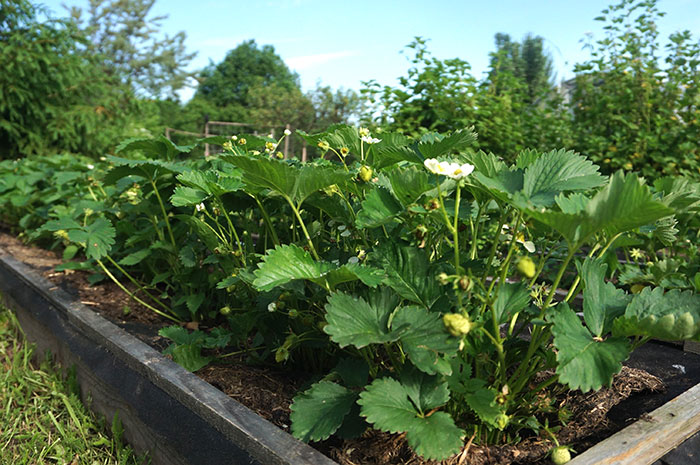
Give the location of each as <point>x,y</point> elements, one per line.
<point>165,410</point>
<point>154,397</point>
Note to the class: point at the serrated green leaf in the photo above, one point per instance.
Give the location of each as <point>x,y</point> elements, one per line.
<point>526,158</point>
<point>424,339</point>
<point>482,401</point>
<point>425,391</point>
<point>285,179</point>
<point>408,273</point>
<point>409,183</point>
<point>64,223</point>
<point>135,258</point>
<point>558,171</point>
<point>583,362</point>
<point>440,146</point>
<point>602,302</point>
<point>387,405</point>
<point>188,356</point>
<point>194,301</point>
<point>97,238</point>
<point>354,321</point>
<point>623,205</point>
<point>670,316</point>
<point>286,263</point>
<point>370,276</point>
<point>210,182</point>
<point>155,147</point>
<point>148,169</point>
<point>380,207</point>
<point>319,411</point>
<point>512,298</point>
<point>187,196</point>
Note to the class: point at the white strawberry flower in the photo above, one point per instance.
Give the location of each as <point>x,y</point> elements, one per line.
<point>450,169</point>
<point>370,140</point>
<point>287,132</point>
<point>200,207</point>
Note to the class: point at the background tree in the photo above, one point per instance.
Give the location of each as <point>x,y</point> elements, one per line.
<point>131,46</point>
<point>436,95</point>
<point>244,67</point>
<point>333,107</point>
<point>631,111</point>
<point>527,62</point>
<point>54,96</point>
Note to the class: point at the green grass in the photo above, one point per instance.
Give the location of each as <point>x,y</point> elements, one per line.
<point>42,420</point>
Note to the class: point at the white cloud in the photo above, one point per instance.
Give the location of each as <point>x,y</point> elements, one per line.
<point>309,61</point>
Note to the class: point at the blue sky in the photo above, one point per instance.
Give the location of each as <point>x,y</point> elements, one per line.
<point>342,43</point>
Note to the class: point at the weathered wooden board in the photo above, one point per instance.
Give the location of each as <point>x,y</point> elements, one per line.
<point>650,438</point>
<point>175,416</point>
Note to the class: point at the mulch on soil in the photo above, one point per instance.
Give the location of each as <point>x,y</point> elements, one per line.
<point>269,391</point>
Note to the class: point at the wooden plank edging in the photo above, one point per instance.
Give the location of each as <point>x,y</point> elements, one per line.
<point>651,437</point>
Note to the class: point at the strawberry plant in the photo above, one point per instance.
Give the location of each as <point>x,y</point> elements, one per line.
<point>402,273</point>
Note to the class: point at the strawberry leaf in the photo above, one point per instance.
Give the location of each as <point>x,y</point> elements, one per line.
<point>395,406</point>
<point>583,362</point>
<point>354,321</point>
<point>602,302</point>
<point>319,411</point>
<point>670,316</point>
<point>424,339</point>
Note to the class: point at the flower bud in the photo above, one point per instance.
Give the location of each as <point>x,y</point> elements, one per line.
<point>225,310</point>
<point>465,283</point>
<point>502,421</point>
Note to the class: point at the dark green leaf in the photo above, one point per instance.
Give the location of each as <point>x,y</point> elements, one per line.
<point>354,321</point>
<point>583,362</point>
<point>387,405</point>
<point>425,339</point>
<point>602,302</point>
<point>380,207</point>
<point>319,411</point>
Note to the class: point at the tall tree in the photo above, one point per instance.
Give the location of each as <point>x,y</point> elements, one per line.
<point>129,41</point>
<point>54,95</point>
<point>527,61</point>
<point>243,68</point>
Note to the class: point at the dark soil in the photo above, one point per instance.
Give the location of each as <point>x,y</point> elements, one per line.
<point>654,374</point>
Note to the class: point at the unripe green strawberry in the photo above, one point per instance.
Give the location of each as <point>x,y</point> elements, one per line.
<point>457,324</point>
<point>561,455</point>
<point>526,267</point>
<point>365,173</point>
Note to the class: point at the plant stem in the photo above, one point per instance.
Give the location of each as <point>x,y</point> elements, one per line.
<point>268,222</point>
<point>303,228</point>
<point>165,215</point>
<point>137,284</point>
<point>131,294</point>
